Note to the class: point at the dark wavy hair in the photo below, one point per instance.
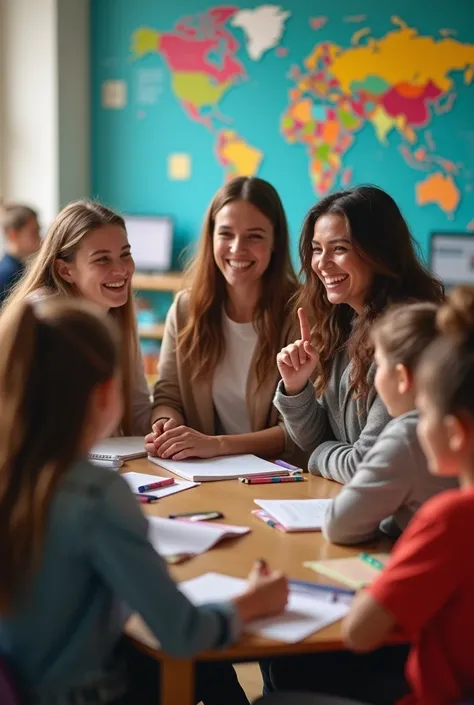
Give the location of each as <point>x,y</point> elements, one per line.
<point>382,238</point>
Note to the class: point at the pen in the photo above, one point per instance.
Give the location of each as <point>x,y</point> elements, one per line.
<point>288,466</point>
<point>157,485</point>
<point>371,561</point>
<point>320,586</point>
<point>270,480</point>
<point>146,498</point>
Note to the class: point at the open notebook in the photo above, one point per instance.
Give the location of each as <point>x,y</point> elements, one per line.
<point>176,539</point>
<point>223,468</point>
<point>119,448</point>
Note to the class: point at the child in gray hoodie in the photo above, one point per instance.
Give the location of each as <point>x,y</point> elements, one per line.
<point>392,480</point>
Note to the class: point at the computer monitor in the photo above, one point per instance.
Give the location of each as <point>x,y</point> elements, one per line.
<point>451,257</point>
<point>151,238</point>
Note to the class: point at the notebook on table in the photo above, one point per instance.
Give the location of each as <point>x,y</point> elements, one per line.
<point>120,448</point>
<point>176,540</point>
<point>294,514</point>
<point>353,571</point>
<point>229,467</point>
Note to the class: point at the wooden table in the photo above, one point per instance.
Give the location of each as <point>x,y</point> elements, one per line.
<point>284,551</point>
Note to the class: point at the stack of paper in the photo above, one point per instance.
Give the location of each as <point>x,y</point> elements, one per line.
<point>304,614</point>
<point>223,468</point>
<point>137,479</point>
<point>174,539</point>
<point>296,514</point>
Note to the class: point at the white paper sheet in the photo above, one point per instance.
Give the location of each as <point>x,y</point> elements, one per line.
<point>171,537</point>
<point>296,514</point>
<point>303,616</point>
<point>222,468</point>
<point>138,479</point>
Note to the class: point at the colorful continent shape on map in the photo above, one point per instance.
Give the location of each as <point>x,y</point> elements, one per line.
<point>263,26</point>
<point>201,55</point>
<point>439,189</point>
<point>236,156</point>
<point>198,81</point>
<point>393,83</point>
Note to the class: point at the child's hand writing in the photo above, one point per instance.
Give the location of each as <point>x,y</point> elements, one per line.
<point>297,361</point>
<point>266,596</point>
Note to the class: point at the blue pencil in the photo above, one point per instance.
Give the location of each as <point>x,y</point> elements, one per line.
<point>320,586</point>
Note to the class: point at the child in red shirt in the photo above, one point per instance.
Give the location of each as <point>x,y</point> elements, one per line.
<point>427,587</point>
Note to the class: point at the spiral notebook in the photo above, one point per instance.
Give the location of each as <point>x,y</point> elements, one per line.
<point>115,451</point>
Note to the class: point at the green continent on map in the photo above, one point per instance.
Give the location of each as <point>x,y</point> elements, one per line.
<point>201,55</point>
<point>393,83</point>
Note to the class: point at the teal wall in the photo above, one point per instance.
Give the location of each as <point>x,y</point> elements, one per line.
<point>131,144</point>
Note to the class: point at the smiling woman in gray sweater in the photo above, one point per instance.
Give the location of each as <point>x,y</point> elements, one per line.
<point>358,257</point>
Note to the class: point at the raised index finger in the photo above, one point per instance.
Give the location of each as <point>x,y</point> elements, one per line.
<point>304,325</point>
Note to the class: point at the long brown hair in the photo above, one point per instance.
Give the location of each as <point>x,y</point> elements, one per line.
<point>446,370</point>
<point>382,238</point>
<point>47,347</point>
<point>64,238</point>
<point>201,340</point>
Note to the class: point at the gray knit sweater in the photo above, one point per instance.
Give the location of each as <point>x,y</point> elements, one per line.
<point>390,484</point>
<point>338,429</point>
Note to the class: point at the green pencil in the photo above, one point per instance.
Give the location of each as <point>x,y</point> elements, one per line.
<point>371,561</point>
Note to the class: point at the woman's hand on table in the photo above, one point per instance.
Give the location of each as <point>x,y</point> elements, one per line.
<point>182,442</point>
<point>159,427</point>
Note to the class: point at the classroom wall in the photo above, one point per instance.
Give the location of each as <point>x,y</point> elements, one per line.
<point>187,94</point>
<point>44,59</point>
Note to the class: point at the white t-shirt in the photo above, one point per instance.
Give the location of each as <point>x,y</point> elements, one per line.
<point>229,384</point>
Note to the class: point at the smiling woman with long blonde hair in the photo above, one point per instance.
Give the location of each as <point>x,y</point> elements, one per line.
<point>86,255</point>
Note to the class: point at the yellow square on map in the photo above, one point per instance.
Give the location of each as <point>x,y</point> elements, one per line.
<point>179,167</point>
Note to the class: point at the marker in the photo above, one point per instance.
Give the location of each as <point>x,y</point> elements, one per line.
<point>270,480</point>
<point>288,466</point>
<point>165,482</point>
<point>268,521</point>
<point>372,561</point>
<point>146,498</point>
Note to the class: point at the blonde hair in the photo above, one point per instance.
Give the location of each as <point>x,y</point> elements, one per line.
<point>14,216</point>
<point>202,341</point>
<point>46,346</point>
<point>62,241</point>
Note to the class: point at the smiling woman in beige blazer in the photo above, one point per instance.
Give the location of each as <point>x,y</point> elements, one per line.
<point>217,371</point>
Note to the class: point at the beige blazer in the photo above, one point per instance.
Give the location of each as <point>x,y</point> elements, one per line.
<point>193,399</point>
